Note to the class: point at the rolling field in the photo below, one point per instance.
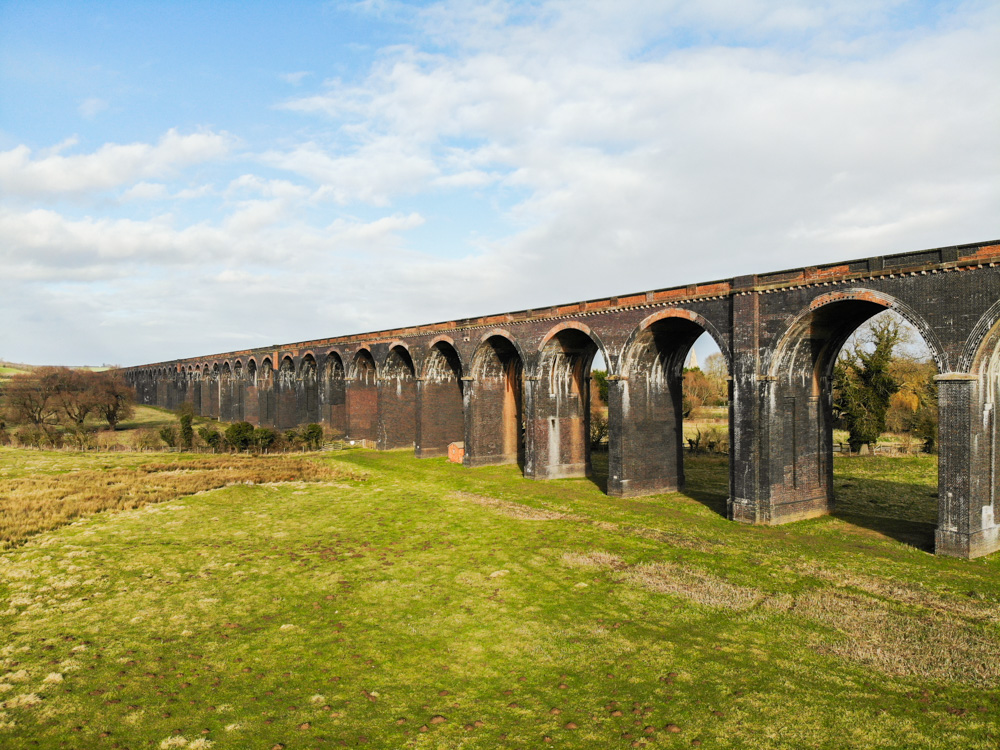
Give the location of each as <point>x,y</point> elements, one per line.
<point>379,601</point>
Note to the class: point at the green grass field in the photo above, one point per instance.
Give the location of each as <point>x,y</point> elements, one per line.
<point>7,372</point>
<point>426,605</point>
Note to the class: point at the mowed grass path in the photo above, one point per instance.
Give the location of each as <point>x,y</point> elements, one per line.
<point>431,606</point>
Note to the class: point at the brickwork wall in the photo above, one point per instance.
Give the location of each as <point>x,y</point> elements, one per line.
<point>439,413</point>
<point>362,399</point>
<point>397,396</point>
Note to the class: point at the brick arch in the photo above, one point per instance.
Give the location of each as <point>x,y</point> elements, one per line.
<point>334,355</point>
<point>573,325</point>
<point>981,341</point>
<point>504,334</point>
<point>496,410</point>
<point>646,448</point>
<point>430,360</point>
<point>798,324</point>
<point>678,313</point>
<point>361,354</point>
<point>304,361</point>
<point>558,429</point>
<point>395,350</point>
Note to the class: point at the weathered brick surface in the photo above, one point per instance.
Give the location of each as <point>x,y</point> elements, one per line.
<point>514,386</point>
<point>439,413</point>
<point>396,404</point>
<point>362,398</point>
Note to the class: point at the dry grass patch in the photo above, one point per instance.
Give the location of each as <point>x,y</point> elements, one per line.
<point>695,585</point>
<point>933,646</point>
<point>913,595</point>
<point>667,578</point>
<point>34,504</point>
<point>513,510</point>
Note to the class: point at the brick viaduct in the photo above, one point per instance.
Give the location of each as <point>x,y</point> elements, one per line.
<point>515,387</point>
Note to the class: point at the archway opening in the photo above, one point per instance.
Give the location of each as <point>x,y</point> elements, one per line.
<point>286,400</point>
<point>441,420</point>
<point>560,428</point>
<point>214,391</point>
<point>397,401</point>
<point>239,392</point>
<point>265,393</point>
<point>362,398</point>
<point>705,410</point>
<point>308,391</point>
<point>495,420</point>
<point>227,387</point>
<point>649,457</point>
<point>855,421</point>
<point>335,413</point>
<point>986,484</point>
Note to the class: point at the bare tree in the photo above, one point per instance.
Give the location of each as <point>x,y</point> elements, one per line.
<point>75,395</point>
<point>31,397</point>
<point>114,399</point>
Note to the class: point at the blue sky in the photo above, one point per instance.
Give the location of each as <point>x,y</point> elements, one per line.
<point>183,178</point>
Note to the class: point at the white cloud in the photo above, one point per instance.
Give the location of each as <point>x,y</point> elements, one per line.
<point>110,166</point>
<point>373,173</point>
<point>608,147</point>
<point>296,78</point>
<point>90,108</point>
<point>145,191</point>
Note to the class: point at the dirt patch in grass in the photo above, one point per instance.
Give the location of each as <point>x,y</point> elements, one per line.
<point>30,505</point>
<point>513,510</point>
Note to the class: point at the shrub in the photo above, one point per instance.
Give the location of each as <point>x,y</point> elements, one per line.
<point>292,439</point>
<point>187,428</point>
<point>598,429</point>
<point>264,438</point>
<point>29,436</point>
<point>239,436</point>
<point>169,436</point>
<point>312,436</point>
<point>145,440</point>
<point>211,437</point>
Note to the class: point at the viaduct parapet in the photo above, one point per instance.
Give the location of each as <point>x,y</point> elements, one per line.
<point>515,387</point>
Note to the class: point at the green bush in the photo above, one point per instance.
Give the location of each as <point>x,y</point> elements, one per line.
<point>264,439</point>
<point>169,436</point>
<point>211,437</point>
<point>312,436</point>
<point>239,436</point>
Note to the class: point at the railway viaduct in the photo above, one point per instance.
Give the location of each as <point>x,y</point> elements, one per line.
<point>515,387</point>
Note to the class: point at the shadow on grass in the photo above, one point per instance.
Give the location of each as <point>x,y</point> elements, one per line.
<point>706,480</point>
<point>599,469</point>
<point>904,511</point>
<point>911,533</point>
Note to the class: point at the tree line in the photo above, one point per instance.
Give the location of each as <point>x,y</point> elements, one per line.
<point>239,437</point>
<point>48,405</point>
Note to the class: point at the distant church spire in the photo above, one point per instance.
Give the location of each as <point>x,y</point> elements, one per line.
<point>692,360</point>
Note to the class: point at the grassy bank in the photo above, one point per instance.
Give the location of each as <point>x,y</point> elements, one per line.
<point>405,603</point>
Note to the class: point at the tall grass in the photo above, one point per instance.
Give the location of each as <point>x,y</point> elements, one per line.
<point>33,504</point>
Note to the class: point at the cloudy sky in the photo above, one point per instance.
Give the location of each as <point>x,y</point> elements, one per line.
<point>182,178</point>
